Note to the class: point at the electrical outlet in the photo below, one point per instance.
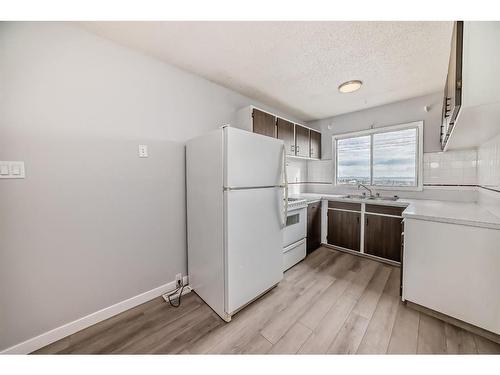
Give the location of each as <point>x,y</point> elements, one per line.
<point>178,280</point>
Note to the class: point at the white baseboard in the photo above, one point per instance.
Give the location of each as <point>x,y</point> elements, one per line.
<point>58,333</point>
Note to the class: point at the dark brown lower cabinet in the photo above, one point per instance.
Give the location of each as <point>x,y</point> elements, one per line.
<point>313,226</point>
<point>344,229</point>
<point>383,236</point>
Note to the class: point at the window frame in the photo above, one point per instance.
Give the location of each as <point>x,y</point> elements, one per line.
<point>419,152</point>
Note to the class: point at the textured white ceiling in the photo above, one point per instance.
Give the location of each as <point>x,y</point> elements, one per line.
<point>297,66</point>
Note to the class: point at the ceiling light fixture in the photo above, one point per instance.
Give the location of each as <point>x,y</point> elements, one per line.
<point>350,86</point>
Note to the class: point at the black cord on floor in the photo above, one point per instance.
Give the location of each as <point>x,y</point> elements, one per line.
<point>178,299</point>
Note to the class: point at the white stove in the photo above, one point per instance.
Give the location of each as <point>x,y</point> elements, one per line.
<point>294,234</point>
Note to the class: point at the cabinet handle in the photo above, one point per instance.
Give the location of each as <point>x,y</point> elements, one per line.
<point>292,148</point>
<point>366,221</point>
<point>297,148</point>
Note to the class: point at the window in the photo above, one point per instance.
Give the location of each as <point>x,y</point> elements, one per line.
<point>387,157</point>
<point>353,160</point>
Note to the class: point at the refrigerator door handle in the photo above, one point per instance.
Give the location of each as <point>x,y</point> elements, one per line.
<point>285,186</point>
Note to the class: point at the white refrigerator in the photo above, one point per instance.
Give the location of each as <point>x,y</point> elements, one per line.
<point>236,212</point>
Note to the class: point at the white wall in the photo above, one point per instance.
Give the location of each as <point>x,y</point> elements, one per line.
<point>390,114</point>
<point>92,224</point>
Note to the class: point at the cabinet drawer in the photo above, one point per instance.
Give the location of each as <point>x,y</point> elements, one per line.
<point>345,205</point>
<point>387,210</point>
<point>293,254</point>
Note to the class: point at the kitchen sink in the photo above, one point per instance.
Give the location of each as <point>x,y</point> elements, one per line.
<point>372,198</point>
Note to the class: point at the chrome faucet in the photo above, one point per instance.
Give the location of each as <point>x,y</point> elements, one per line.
<point>366,187</point>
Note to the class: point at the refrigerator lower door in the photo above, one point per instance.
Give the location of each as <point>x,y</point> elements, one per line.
<point>252,160</point>
<point>254,252</point>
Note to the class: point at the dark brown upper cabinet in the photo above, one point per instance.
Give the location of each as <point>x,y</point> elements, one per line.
<point>452,100</point>
<point>302,141</point>
<point>285,132</point>
<point>264,123</point>
<point>299,140</point>
<point>315,147</point>
<point>383,236</point>
<point>344,229</point>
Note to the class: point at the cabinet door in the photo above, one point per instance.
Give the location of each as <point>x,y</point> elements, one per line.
<point>313,226</point>
<point>383,236</point>
<point>315,149</point>
<point>285,132</point>
<point>453,87</point>
<point>264,123</point>
<point>455,71</point>
<point>301,141</point>
<point>344,229</point>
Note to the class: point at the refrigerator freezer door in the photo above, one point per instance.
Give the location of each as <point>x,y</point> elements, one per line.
<point>253,244</point>
<point>252,160</point>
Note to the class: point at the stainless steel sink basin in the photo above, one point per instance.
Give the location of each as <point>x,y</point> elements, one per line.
<point>373,198</point>
<point>356,196</point>
<point>393,198</point>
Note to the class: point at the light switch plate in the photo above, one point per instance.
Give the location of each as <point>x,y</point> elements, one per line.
<point>143,151</point>
<point>12,169</point>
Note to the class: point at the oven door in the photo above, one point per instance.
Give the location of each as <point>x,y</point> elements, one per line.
<point>296,226</point>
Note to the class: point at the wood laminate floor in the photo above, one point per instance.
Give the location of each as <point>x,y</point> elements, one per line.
<point>331,302</point>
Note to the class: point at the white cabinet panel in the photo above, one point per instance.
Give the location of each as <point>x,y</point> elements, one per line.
<point>453,269</point>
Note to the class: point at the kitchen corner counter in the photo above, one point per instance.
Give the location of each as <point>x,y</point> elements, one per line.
<point>463,213</point>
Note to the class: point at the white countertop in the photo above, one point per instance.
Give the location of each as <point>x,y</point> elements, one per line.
<point>452,212</point>
<point>463,213</point>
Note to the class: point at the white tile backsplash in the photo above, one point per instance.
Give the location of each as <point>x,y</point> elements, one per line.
<point>489,163</point>
<point>451,168</point>
<point>296,170</point>
<point>440,168</point>
<point>320,171</point>
<point>488,174</point>
<point>458,167</point>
